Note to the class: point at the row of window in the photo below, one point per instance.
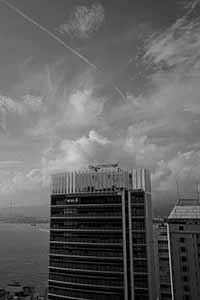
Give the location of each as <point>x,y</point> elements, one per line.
<point>141,280</point>
<point>84,252</point>
<point>91,206</point>
<point>86,266</point>
<point>93,240</point>
<point>85,224</point>
<point>139,251</point>
<point>140,266</point>
<point>90,281</point>
<point>138,224</point>
<point>139,238</point>
<point>86,200</point>
<point>94,229</point>
<point>138,211</point>
<point>88,214</point>
<point>77,294</point>
<point>137,198</point>
<point>87,235</point>
<point>98,211</point>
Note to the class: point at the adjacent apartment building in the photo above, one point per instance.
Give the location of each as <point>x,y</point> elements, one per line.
<point>101,239</point>
<point>184,247</point>
<point>162,266</point>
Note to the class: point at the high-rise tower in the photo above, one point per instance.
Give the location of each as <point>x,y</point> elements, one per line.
<point>101,240</point>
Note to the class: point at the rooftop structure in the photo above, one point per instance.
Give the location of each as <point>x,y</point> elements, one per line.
<point>186,209</point>
<point>100,179</point>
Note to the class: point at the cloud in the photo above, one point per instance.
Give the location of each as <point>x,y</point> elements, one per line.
<point>72,109</point>
<point>18,107</point>
<point>131,149</point>
<point>84,21</point>
<point>174,60</point>
<point>158,129</point>
<point>182,169</point>
<point>177,47</point>
<point>12,182</point>
<point>9,163</point>
<point>82,109</point>
<point>8,105</point>
<point>33,103</point>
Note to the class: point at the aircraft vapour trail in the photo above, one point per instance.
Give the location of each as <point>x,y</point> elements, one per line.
<point>61,42</point>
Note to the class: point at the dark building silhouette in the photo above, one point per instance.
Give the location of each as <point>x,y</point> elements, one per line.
<point>101,240</point>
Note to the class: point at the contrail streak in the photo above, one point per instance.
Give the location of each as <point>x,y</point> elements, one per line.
<point>61,42</point>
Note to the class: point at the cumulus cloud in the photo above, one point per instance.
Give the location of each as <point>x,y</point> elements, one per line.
<point>131,149</point>
<point>84,21</point>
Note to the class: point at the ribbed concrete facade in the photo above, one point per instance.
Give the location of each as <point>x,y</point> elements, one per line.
<point>103,180</point>
<point>101,241</point>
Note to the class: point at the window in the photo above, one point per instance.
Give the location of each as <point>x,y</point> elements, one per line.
<point>181,227</point>
<point>183,258</point>
<point>182,240</point>
<point>184,269</point>
<point>186,288</point>
<point>183,249</point>
<point>185,278</point>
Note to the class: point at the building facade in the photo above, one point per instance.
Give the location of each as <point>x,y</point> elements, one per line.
<point>101,240</point>
<point>184,245</point>
<point>161,251</point>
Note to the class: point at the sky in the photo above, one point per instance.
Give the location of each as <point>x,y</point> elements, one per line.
<point>125,87</point>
